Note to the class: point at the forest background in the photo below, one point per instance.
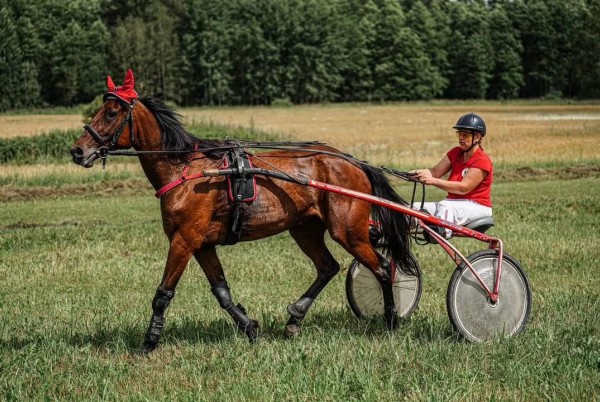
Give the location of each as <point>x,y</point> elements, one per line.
<point>264,52</point>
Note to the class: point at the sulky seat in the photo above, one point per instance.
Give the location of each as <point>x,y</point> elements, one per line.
<point>481,224</point>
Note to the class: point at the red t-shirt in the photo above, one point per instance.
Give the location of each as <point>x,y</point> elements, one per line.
<point>481,194</point>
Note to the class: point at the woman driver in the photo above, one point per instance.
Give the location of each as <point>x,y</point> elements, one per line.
<point>471,174</point>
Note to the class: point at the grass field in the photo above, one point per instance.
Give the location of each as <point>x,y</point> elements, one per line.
<point>82,251</point>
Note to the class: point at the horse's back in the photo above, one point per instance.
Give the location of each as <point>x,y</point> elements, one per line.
<point>281,205</point>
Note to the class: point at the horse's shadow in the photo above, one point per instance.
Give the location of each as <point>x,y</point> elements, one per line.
<point>340,322</point>
<point>189,331</point>
<point>184,331</point>
<point>421,328</point>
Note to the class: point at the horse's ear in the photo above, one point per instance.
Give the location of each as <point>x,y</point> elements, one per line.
<point>110,84</point>
<point>126,92</point>
<point>129,82</point>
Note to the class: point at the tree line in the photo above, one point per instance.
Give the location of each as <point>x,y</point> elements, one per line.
<point>255,52</point>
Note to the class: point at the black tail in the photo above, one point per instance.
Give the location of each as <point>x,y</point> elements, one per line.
<point>394,225</point>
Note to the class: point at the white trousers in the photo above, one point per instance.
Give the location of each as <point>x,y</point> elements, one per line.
<point>459,212</point>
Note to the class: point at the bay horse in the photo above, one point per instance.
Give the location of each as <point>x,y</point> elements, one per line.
<point>196,209</point>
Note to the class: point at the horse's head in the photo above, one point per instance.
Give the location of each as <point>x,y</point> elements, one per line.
<point>112,126</point>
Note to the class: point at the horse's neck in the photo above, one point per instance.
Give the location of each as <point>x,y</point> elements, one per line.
<point>162,170</point>
<point>159,170</point>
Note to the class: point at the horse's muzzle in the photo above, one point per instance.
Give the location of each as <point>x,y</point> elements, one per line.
<point>81,159</point>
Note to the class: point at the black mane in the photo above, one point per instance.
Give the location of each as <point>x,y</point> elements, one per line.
<point>173,134</point>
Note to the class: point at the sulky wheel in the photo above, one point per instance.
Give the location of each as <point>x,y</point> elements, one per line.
<point>366,298</point>
<point>471,312</point>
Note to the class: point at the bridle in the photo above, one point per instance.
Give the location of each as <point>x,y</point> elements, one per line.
<point>108,143</point>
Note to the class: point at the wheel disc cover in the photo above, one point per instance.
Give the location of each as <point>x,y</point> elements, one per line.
<point>476,317</point>
<point>369,297</point>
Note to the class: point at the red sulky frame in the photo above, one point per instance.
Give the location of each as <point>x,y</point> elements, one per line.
<point>457,257</point>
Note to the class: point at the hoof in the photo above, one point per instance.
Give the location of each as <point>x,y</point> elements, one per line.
<point>292,327</point>
<point>252,331</point>
<point>147,348</point>
<point>291,331</point>
<point>392,321</point>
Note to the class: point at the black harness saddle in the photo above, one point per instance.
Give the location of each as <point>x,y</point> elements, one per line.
<point>241,190</point>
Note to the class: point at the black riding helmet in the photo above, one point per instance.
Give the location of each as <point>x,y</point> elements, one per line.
<point>471,122</point>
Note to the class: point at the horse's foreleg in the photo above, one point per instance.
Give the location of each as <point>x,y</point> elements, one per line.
<point>161,301</point>
<point>179,256</point>
<point>310,238</point>
<point>209,261</point>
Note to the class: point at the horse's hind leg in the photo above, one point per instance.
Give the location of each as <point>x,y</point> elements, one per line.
<point>310,238</point>
<point>209,261</point>
<point>361,248</point>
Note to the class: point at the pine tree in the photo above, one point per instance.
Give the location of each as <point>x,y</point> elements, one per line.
<point>507,76</point>
<point>587,60</point>
<point>146,41</point>
<point>420,20</point>
<point>471,59</point>
<point>18,72</point>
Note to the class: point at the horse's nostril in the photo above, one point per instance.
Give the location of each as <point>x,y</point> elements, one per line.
<point>77,154</point>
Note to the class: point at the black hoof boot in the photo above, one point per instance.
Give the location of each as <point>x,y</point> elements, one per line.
<point>300,308</point>
<point>147,348</point>
<point>152,336</point>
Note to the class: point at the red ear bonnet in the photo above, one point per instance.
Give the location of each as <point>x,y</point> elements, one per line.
<point>110,84</point>
<point>126,91</point>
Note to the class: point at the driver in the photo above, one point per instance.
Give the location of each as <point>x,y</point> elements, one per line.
<point>470,181</point>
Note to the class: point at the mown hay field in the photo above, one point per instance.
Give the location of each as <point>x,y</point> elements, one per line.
<point>523,134</point>
<point>82,251</point>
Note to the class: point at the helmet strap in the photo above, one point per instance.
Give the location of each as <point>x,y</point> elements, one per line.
<point>473,143</point>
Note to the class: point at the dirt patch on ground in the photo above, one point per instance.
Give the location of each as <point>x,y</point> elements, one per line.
<point>116,187</point>
<point>529,173</point>
<point>38,225</point>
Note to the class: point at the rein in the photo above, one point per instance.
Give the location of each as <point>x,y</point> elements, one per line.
<point>284,146</point>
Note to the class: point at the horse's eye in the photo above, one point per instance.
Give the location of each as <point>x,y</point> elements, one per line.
<point>111,114</point>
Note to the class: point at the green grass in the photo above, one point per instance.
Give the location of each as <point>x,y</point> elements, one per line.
<point>79,273</point>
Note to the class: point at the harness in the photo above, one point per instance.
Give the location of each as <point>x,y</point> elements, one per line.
<point>241,187</point>
<point>241,191</point>
<point>241,184</point>
<point>236,165</point>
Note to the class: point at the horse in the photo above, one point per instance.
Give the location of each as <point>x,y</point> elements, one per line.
<point>197,212</point>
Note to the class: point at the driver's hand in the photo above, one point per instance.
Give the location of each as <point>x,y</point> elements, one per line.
<point>423,175</point>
